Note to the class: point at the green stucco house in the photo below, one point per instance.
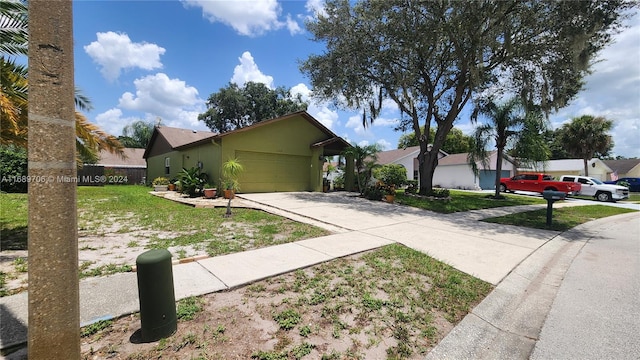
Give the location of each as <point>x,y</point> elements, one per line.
<point>281,154</point>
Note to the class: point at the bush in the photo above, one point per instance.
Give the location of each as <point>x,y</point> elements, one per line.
<point>338,181</point>
<point>13,168</point>
<point>439,193</point>
<point>412,187</point>
<point>391,175</point>
<point>373,192</point>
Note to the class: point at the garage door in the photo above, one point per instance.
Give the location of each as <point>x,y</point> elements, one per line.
<point>267,172</point>
<point>488,179</point>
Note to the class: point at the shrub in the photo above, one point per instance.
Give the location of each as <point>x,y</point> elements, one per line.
<point>191,181</point>
<point>160,181</point>
<point>412,187</point>
<point>439,193</point>
<point>13,168</point>
<point>391,175</point>
<point>374,192</point>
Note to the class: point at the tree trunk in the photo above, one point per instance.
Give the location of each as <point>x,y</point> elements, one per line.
<point>427,161</point>
<point>499,157</point>
<point>586,166</point>
<point>54,315</point>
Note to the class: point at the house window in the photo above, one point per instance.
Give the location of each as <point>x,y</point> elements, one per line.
<point>167,166</point>
<point>415,174</point>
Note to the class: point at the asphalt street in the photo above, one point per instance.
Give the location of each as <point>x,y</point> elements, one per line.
<point>596,313</point>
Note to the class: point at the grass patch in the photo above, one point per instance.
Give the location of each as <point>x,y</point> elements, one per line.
<point>189,307</point>
<point>465,201</point>
<point>392,291</point>
<point>95,327</point>
<point>84,271</point>
<point>634,197</point>
<point>563,218</point>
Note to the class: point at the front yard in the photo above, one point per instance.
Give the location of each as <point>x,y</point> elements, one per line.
<point>393,302</point>
<point>118,223</point>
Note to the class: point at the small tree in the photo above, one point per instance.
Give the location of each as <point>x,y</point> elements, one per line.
<point>392,176</point>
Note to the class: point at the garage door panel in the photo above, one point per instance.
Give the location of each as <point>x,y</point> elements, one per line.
<point>266,172</point>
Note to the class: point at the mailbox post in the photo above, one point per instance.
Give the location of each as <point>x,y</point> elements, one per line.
<point>551,197</point>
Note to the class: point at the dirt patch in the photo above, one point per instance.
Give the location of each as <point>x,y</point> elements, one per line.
<point>343,309</point>
<point>112,248</point>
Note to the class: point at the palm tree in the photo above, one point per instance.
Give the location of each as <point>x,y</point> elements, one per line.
<point>90,139</point>
<point>586,136</point>
<point>137,134</point>
<point>508,123</point>
<point>13,103</point>
<point>365,158</point>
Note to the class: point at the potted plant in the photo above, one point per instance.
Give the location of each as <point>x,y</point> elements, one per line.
<point>172,185</point>
<point>231,169</point>
<point>209,191</point>
<point>390,193</point>
<point>191,181</point>
<point>160,183</point>
<point>392,176</point>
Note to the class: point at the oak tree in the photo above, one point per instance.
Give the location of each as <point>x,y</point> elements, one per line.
<point>433,58</point>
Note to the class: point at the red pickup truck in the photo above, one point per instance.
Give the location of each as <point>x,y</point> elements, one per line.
<point>537,183</point>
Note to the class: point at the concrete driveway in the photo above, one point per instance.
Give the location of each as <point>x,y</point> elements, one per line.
<point>483,250</point>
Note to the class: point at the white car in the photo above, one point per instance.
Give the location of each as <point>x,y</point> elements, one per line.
<point>596,188</point>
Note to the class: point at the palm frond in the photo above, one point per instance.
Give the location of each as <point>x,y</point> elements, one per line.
<point>14,23</point>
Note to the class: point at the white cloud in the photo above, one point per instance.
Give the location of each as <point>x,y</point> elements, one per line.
<point>316,7</point>
<point>355,123</point>
<point>386,122</point>
<point>384,144</point>
<point>115,52</point>
<point>293,26</point>
<point>248,71</point>
<point>170,99</point>
<point>113,122</point>
<point>250,18</point>
<point>320,111</point>
<point>613,91</point>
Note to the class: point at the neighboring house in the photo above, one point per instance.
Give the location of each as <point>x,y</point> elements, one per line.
<point>556,168</point>
<point>407,157</point>
<point>453,170</point>
<point>128,169</point>
<point>623,168</point>
<point>282,154</point>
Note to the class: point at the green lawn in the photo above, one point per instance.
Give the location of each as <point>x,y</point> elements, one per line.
<point>465,201</point>
<point>133,207</point>
<point>562,219</point>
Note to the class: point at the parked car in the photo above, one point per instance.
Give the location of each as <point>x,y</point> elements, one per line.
<point>634,183</point>
<point>596,188</point>
<point>537,183</point>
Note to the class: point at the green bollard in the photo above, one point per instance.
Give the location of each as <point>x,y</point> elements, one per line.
<point>157,298</point>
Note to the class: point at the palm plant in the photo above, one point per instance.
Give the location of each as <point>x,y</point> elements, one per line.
<point>586,136</point>
<point>191,181</point>
<point>90,139</point>
<point>365,158</point>
<point>508,123</point>
<point>231,169</point>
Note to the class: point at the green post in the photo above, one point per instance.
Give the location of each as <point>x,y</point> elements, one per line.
<point>157,298</point>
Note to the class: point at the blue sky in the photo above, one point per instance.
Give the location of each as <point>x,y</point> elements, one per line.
<point>162,59</point>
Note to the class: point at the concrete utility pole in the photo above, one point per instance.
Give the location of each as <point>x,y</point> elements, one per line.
<point>54,312</point>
